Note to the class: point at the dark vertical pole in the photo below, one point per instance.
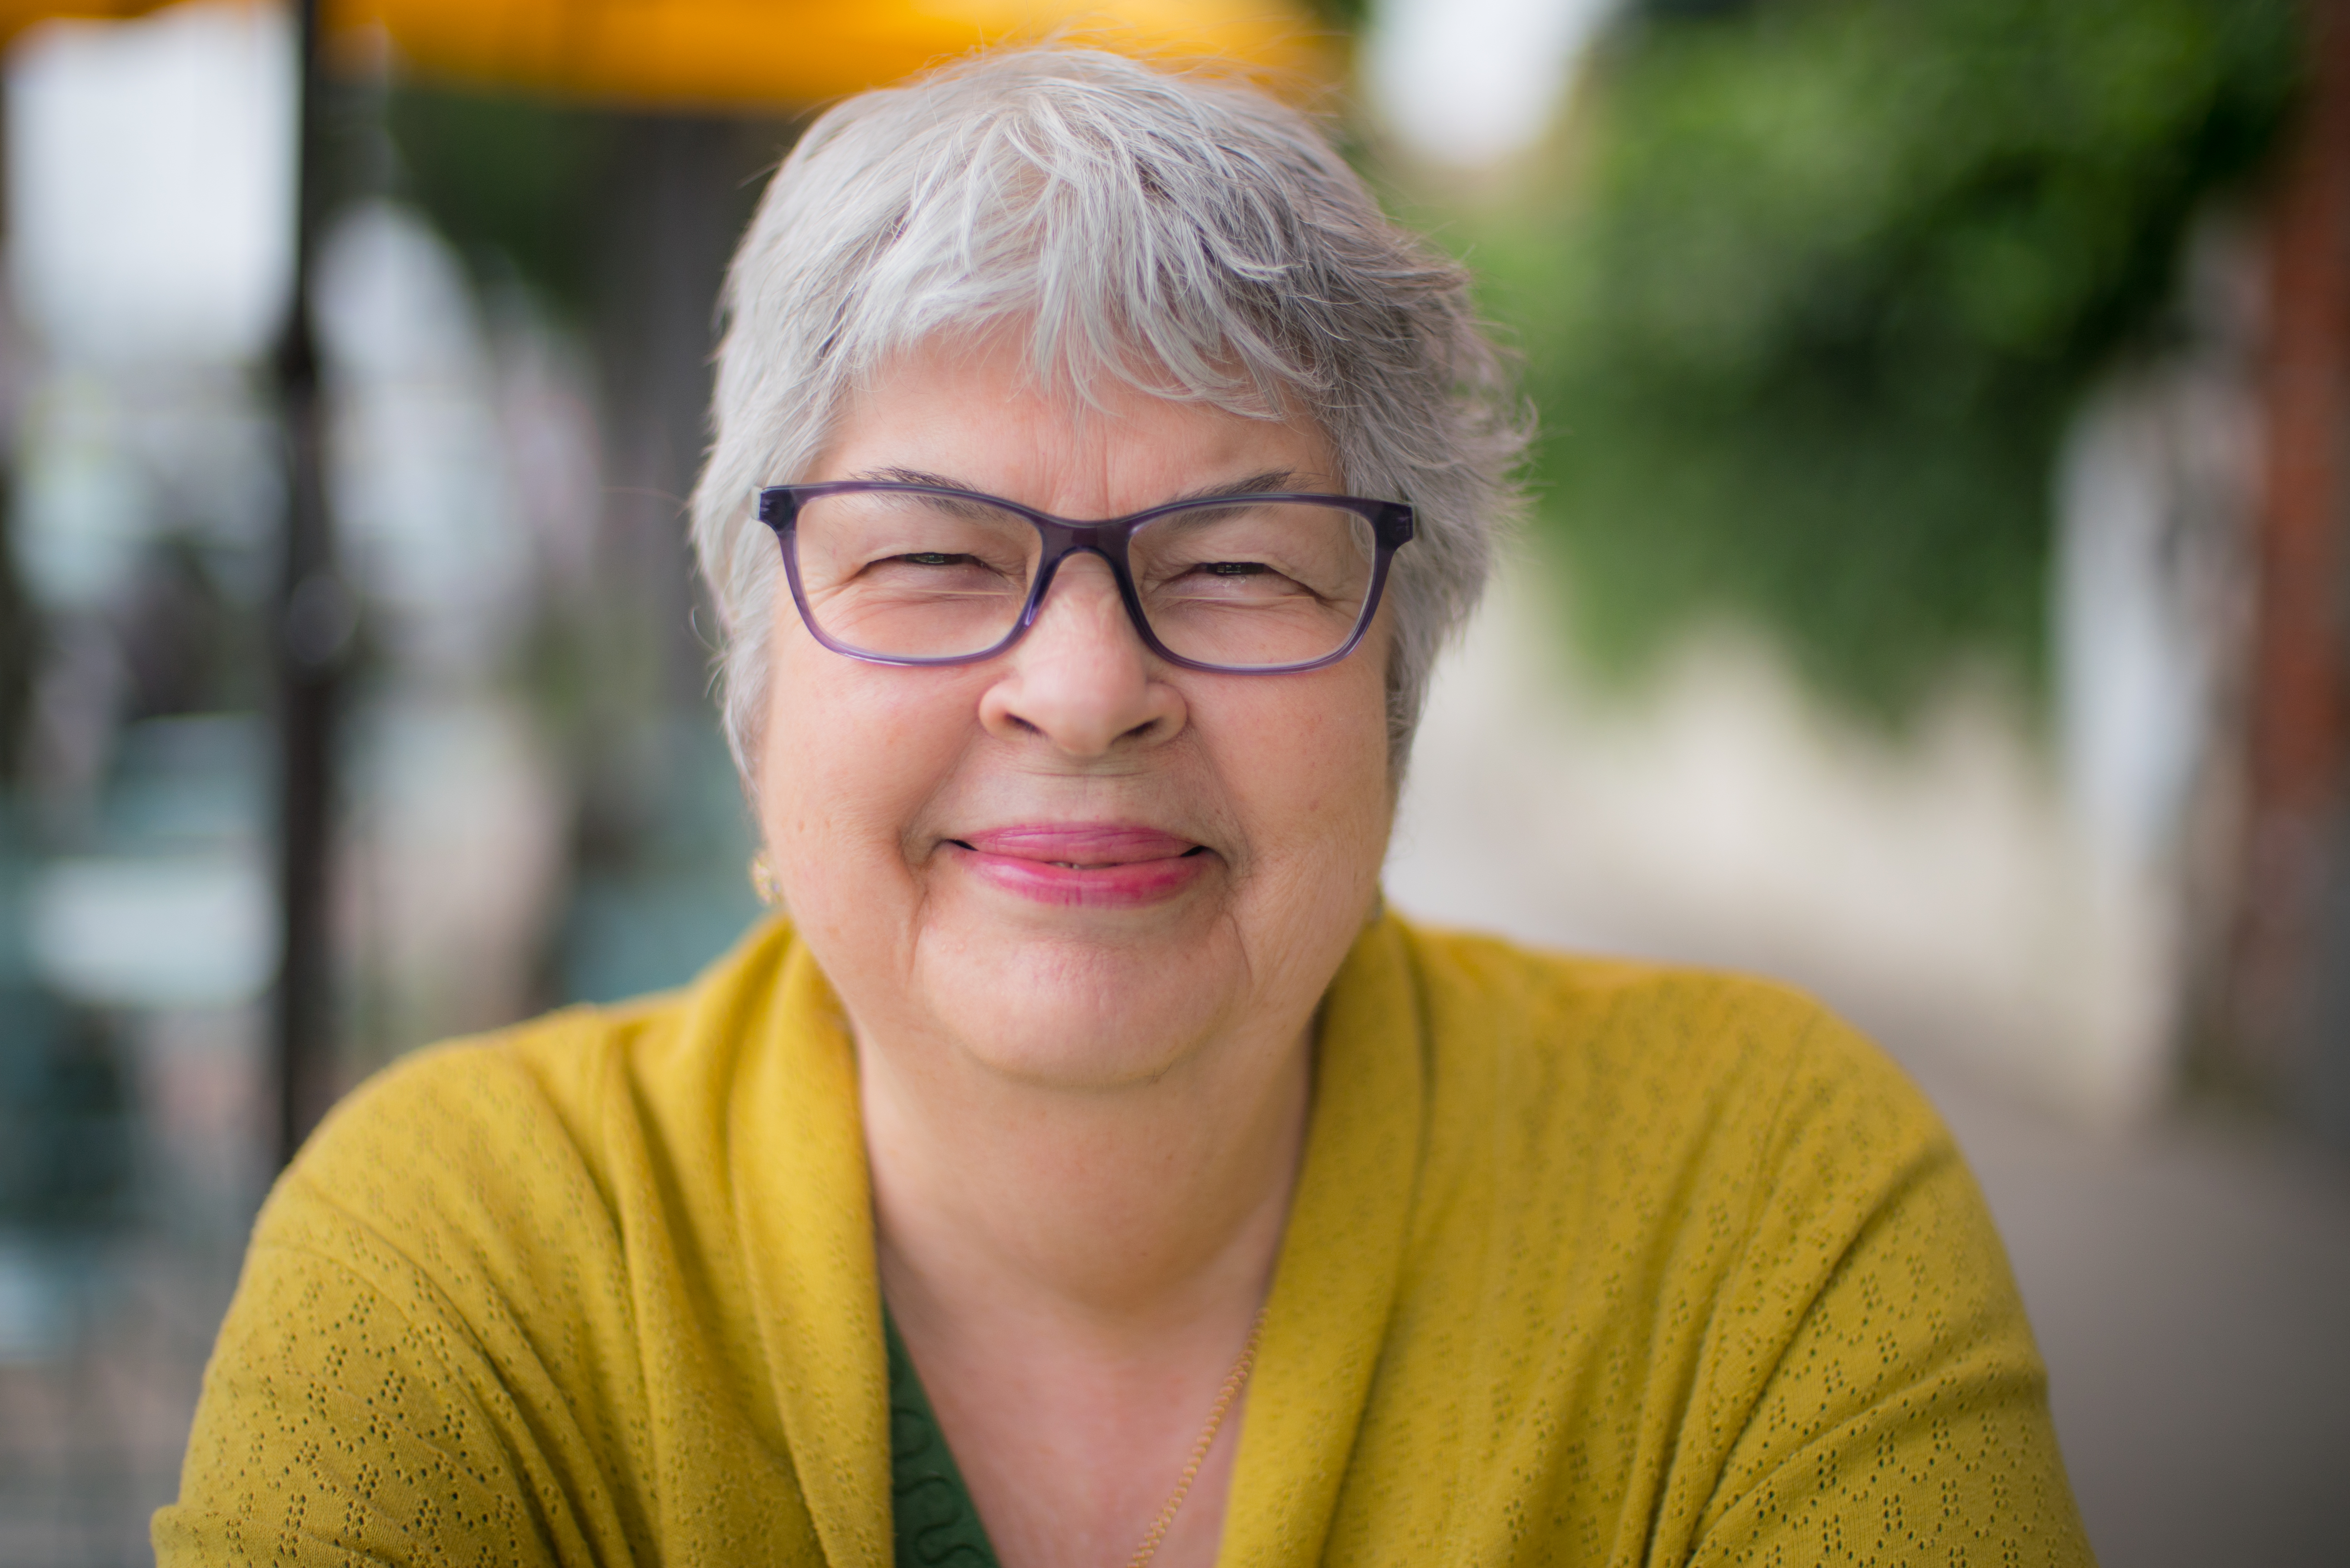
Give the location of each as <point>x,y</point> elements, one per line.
<point>314,617</point>
<point>679,197</point>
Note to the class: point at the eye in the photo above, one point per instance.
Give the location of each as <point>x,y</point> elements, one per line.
<point>937,560</point>
<point>1234,568</point>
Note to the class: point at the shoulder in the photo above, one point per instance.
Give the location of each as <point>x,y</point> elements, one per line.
<point>527,1096</point>
<point>539,1113</point>
<point>533,1137</point>
<point>1671,1108</point>
<point>474,1305</point>
<point>1676,1044</point>
<point>1703,1197</point>
<point>468,1186</point>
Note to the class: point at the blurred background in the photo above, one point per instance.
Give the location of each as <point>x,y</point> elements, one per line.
<point>1934,594</point>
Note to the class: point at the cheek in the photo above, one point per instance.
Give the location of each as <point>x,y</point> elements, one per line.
<point>851,753</point>
<point>1309,768</point>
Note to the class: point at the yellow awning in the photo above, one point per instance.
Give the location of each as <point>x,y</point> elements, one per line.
<point>15,15</point>
<point>751,53</point>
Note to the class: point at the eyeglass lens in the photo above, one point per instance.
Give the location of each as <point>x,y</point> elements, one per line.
<point>1235,584</point>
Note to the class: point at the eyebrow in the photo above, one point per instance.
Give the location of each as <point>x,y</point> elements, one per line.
<point>1271,482</point>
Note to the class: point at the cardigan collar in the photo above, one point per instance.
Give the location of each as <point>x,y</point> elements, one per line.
<point>1341,1258</point>
<point>804,1209</point>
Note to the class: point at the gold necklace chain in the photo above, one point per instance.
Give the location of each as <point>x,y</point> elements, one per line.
<point>1235,1381</point>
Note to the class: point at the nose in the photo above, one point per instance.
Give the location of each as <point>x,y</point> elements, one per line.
<point>1081,679</point>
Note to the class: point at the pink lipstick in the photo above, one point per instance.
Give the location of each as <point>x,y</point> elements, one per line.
<point>1091,864</point>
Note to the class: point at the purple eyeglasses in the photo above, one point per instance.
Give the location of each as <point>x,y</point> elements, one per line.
<point>911,574</point>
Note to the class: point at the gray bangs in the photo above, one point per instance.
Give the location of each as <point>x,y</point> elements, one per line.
<point>1185,235</point>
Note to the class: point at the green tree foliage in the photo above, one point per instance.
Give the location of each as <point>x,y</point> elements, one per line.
<point>1828,277</point>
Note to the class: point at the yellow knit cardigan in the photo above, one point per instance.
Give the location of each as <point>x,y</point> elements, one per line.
<point>1588,1263</point>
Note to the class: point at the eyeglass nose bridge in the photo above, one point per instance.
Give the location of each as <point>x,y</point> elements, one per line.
<point>1062,540</point>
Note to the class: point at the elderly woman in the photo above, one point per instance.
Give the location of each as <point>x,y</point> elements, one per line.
<point>1088,1172</point>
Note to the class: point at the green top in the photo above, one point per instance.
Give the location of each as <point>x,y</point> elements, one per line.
<point>932,1514</point>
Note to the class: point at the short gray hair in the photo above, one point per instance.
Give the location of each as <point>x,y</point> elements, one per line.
<point>1184,232</point>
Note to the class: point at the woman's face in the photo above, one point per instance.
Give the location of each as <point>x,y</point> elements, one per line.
<point>1072,863</point>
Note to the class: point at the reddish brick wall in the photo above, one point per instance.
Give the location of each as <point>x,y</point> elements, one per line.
<point>2296,845</point>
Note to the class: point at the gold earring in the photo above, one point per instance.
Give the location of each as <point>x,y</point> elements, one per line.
<point>762,879</point>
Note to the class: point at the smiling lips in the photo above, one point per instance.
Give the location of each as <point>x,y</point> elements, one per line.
<point>1095,865</point>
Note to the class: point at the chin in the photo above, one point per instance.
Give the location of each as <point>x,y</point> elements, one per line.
<point>1081,1015</point>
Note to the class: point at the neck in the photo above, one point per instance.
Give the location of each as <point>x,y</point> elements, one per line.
<point>1119,1219</point>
